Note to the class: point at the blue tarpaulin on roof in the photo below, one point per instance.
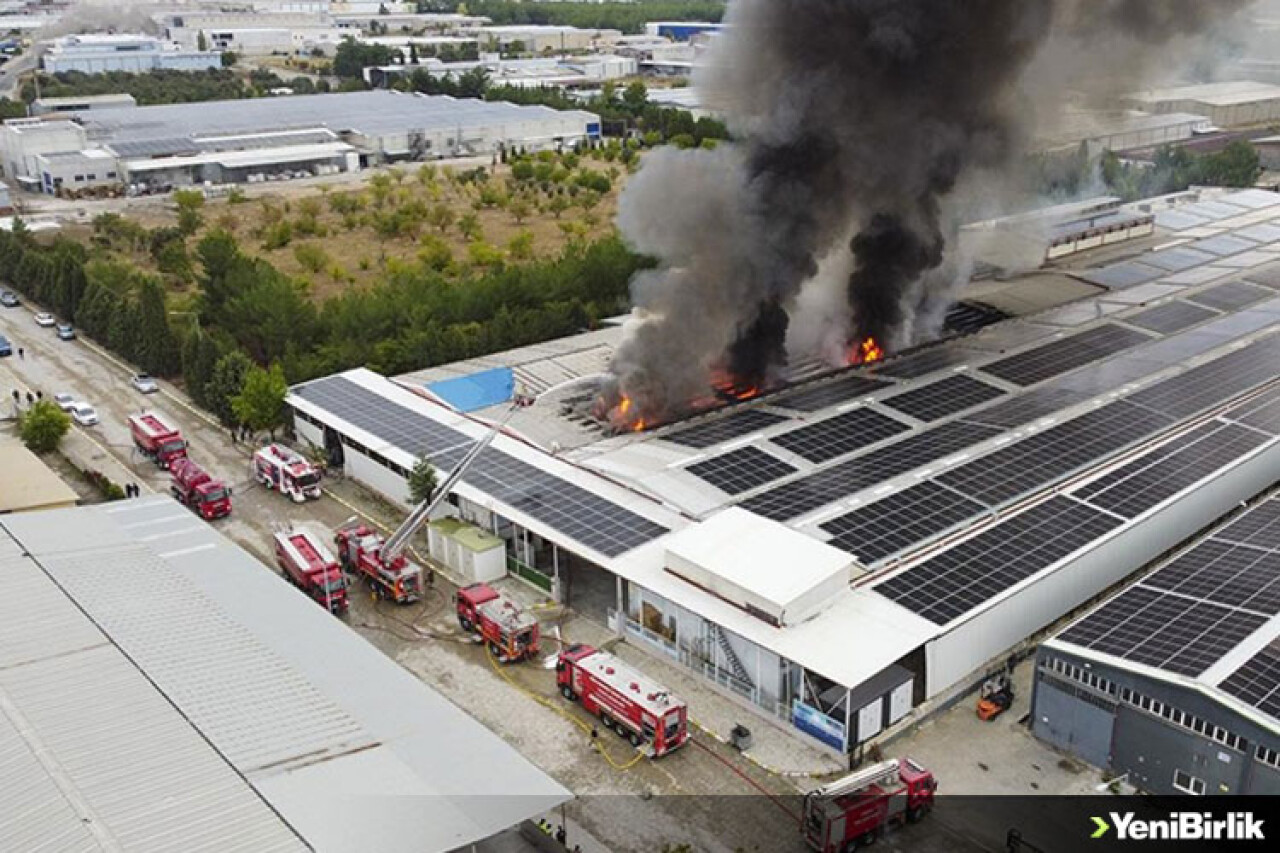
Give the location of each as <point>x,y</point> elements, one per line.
<point>476,390</point>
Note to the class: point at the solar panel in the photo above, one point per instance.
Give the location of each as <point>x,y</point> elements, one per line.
<point>1253,199</point>
<point>1224,573</point>
<point>1070,316</point>
<point>966,576</point>
<point>1231,296</point>
<point>1224,244</point>
<point>1141,294</point>
<point>1027,407</point>
<point>726,428</point>
<point>1164,630</point>
<point>1007,336</point>
<point>1177,259</point>
<point>1122,275</point>
<point>918,364</point>
<point>742,470</point>
<point>892,524</point>
<point>1142,484</point>
<point>1267,276</point>
<point>1178,220</point>
<point>595,521</point>
<point>1170,317</point>
<point>1260,527</point>
<point>1257,681</point>
<point>1263,232</point>
<point>844,433</point>
<point>945,397</point>
<point>867,469</point>
<point>1047,456</point>
<point>1262,412</point>
<point>1213,382</point>
<point>817,397</point>
<point>1053,359</point>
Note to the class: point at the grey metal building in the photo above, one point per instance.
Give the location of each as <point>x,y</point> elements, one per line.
<point>1175,682</point>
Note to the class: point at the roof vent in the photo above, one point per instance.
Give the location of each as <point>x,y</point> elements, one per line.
<point>608,670</point>
<point>635,687</point>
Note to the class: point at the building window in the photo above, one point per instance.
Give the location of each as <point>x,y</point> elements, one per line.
<point>93,177</point>
<point>1187,783</point>
<point>79,179</point>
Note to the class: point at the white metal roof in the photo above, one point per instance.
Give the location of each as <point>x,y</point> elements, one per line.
<point>216,691</point>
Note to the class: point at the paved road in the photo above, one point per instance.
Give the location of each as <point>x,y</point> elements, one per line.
<point>629,804</point>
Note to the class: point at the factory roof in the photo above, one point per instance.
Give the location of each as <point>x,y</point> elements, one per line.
<point>1207,618</point>
<point>373,113</point>
<point>28,483</point>
<point>244,159</point>
<point>163,688</point>
<point>1218,94</point>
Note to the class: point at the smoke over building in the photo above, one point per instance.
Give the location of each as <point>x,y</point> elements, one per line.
<point>854,121</point>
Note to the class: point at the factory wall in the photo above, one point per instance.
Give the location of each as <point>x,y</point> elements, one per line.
<point>966,647</point>
<point>1169,739</point>
<point>132,61</point>
<point>23,140</point>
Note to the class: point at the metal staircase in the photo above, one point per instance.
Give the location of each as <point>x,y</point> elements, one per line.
<point>739,671</point>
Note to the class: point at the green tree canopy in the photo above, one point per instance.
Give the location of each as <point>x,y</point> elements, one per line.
<point>226,383</point>
<point>43,426</point>
<point>260,403</point>
<point>422,481</point>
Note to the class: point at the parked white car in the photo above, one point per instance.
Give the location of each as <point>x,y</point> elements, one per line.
<point>145,383</point>
<point>44,318</point>
<point>64,401</point>
<point>84,414</point>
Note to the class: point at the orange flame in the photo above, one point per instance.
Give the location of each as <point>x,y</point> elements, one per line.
<point>866,352</point>
<point>638,426</point>
<point>624,406</point>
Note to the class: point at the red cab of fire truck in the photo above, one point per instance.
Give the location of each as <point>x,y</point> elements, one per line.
<point>158,440</point>
<point>634,706</point>
<point>277,467</point>
<point>360,550</point>
<point>307,564</point>
<point>511,632</point>
<point>854,811</point>
<point>193,486</point>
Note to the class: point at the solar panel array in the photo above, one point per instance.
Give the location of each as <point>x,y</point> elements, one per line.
<point>842,479</point>
<point>1122,275</point>
<point>1046,456</point>
<point>1170,317</point>
<point>927,361</point>
<point>726,428</point>
<point>1231,296</point>
<point>967,575</point>
<point>1257,681</point>
<point>889,525</point>
<point>1053,359</point>
<point>595,521</point>
<point>943,398</point>
<point>742,470</point>
<point>829,394</point>
<point>1195,608</point>
<point>1262,412</point>
<point>844,433</point>
<point>1214,382</point>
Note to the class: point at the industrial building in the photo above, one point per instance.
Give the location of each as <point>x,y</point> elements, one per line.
<point>540,38</point>
<point>236,141</point>
<point>1174,683</point>
<point>559,72</point>
<point>29,484</point>
<point>946,500</point>
<point>1235,103</point>
<point>1099,133</point>
<point>96,53</point>
<point>156,696</point>
<point>681,30</point>
<point>80,103</point>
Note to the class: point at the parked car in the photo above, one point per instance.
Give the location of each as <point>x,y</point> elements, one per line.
<point>9,299</point>
<point>66,332</point>
<point>64,401</point>
<point>144,383</point>
<point>44,318</point>
<point>84,414</point>
<point>5,347</point>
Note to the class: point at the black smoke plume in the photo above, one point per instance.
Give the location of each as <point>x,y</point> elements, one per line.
<point>854,121</point>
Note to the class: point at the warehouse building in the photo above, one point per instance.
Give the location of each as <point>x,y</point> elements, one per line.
<point>1099,133</point>
<point>948,500</point>
<point>97,53</point>
<point>544,38</point>
<point>256,139</point>
<point>45,106</point>
<point>157,696</point>
<point>559,72</point>
<point>1235,103</point>
<point>1175,682</point>
<point>28,483</point>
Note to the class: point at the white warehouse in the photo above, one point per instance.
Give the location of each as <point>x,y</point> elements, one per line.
<point>97,53</point>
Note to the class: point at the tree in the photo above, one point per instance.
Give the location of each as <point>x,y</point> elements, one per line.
<point>225,383</point>
<point>218,253</point>
<point>520,246</point>
<point>43,426</point>
<point>469,226</point>
<point>422,481</point>
<point>441,216</point>
<point>634,97</point>
<point>260,403</point>
<point>157,349</point>
<point>202,43</point>
<point>199,355</point>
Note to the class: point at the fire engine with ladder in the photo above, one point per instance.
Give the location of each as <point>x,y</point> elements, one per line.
<point>636,707</point>
<point>854,811</point>
<point>382,562</point>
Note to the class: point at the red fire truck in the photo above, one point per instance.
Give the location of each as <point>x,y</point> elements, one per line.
<point>157,438</point>
<point>277,467</point>
<point>510,631</point>
<point>307,564</point>
<point>856,810</point>
<point>194,487</point>
<point>361,551</point>
<point>634,706</point>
